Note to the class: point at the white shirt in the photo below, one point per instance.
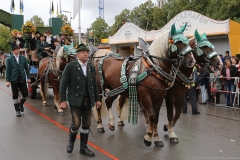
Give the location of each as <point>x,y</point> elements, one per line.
<point>17,58</point>
<point>84,67</point>
<point>48,39</point>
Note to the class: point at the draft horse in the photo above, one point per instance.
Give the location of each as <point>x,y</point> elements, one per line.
<point>50,71</point>
<point>205,54</point>
<point>152,89</point>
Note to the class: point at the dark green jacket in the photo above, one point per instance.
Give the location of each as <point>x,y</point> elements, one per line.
<point>40,47</point>
<point>12,68</point>
<point>73,79</point>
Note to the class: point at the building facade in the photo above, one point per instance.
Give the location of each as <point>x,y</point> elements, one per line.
<point>224,35</point>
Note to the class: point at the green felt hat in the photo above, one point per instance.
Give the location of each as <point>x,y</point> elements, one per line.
<point>14,47</point>
<point>82,47</point>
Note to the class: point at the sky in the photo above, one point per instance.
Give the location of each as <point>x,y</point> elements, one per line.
<point>89,10</point>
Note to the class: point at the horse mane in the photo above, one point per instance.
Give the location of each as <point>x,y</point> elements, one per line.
<point>59,57</point>
<point>159,47</point>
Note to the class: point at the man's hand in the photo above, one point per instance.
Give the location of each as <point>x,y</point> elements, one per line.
<point>29,80</point>
<point>98,104</point>
<point>8,84</point>
<point>63,105</point>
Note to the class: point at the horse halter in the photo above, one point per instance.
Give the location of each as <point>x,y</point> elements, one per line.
<point>174,49</point>
<point>200,52</point>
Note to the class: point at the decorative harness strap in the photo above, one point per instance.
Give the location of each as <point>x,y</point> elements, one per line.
<point>123,80</point>
<point>185,80</point>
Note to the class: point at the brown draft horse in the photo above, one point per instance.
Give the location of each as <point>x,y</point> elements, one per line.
<point>175,95</point>
<point>150,91</point>
<point>49,73</point>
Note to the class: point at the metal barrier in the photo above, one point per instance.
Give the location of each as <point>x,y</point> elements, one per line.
<point>236,93</point>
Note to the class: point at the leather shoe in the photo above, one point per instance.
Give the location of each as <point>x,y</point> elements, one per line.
<point>84,150</point>
<point>18,114</point>
<point>196,112</point>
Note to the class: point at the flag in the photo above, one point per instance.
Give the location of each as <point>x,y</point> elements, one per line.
<point>60,7</point>
<point>52,8</point>
<point>76,7</point>
<point>12,6</point>
<point>21,6</point>
<point>57,10</point>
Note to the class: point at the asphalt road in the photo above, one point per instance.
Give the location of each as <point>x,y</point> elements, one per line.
<point>40,134</point>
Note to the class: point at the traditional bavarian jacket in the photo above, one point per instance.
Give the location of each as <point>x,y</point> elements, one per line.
<point>14,69</point>
<point>40,47</point>
<point>78,84</point>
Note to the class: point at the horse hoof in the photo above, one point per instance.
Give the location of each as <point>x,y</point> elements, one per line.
<point>112,128</point>
<point>165,128</point>
<point>44,104</point>
<point>121,123</point>
<point>174,140</point>
<point>159,143</point>
<point>60,113</point>
<point>101,130</point>
<point>147,143</point>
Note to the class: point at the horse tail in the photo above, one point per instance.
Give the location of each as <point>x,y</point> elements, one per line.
<point>125,109</point>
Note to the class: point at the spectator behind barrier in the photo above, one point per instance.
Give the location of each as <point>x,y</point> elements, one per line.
<point>221,57</point>
<point>229,71</point>
<point>227,56</point>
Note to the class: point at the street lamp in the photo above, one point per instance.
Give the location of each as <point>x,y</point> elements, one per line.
<point>70,15</point>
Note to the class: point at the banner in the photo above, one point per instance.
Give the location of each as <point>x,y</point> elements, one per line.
<point>76,7</point>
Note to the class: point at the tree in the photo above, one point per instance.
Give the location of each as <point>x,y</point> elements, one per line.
<point>142,16</point>
<point>4,36</point>
<point>100,30</point>
<point>37,21</point>
<point>119,21</point>
<point>64,18</point>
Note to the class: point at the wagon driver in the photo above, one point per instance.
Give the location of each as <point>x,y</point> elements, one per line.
<point>79,78</point>
<point>16,73</point>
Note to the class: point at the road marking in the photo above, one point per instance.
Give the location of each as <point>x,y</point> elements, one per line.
<point>66,129</point>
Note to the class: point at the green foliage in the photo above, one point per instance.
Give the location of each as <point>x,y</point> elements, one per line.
<point>5,18</point>
<point>100,30</point>
<point>142,16</point>
<point>64,18</point>
<point>4,37</point>
<point>37,21</point>
<point>119,21</point>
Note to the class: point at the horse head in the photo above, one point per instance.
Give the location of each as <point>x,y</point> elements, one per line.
<point>204,52</point>
<point>179,47</point>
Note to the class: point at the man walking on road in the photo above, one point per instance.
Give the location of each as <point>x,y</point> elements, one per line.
<point>79,78</point>
<point>16,73</point>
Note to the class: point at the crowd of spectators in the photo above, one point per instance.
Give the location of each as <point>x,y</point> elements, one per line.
<point>212,85</point>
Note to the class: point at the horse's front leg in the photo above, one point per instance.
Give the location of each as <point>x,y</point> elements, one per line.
<point>43,92</point>
<point>109,102</point>
<point>55,87</point>
<point>123,110</point>
<point>170,115</point>
<point>157,140</point>
<point>98,116</point>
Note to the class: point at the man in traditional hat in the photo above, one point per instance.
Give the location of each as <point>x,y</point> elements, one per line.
<point>33,41</point>
<point>79,78</point>
<point>49,39</point>
<point>63,38</point>
<point>42,47</point>
<point>16,73</point>
<point>57,47</point>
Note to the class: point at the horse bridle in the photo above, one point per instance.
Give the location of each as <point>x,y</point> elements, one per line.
<point>207,57</point>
